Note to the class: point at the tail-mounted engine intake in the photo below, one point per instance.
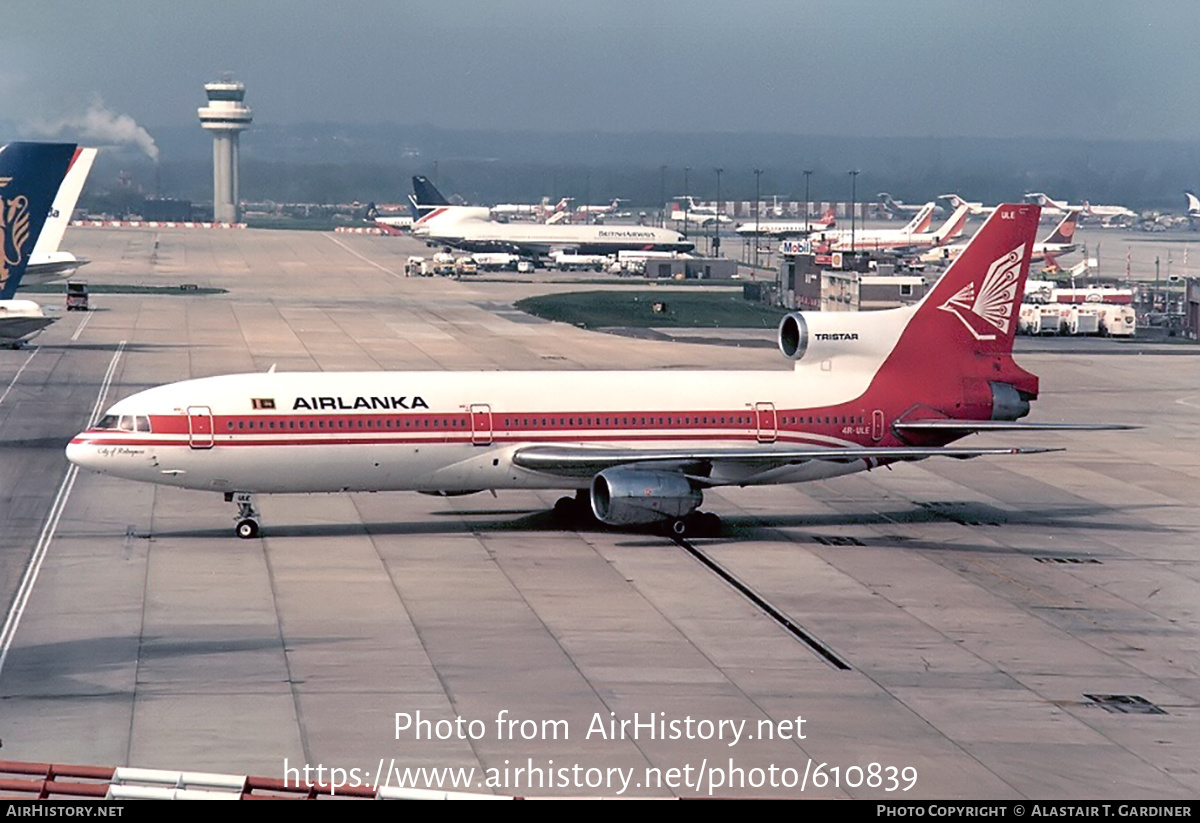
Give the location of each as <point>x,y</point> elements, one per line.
<point>629,497</point>
<point>1007,402</point>
<point>993,400</point>
<point>820,335</point>
<point>793,336</point>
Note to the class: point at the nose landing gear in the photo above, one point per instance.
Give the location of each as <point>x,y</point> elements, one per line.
<point>247,517</point>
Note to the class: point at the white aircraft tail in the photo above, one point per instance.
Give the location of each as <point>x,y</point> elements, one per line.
<point>64,203</point>
<point>1065,230</point>
<point>954,226</point>
<point>922,219</point>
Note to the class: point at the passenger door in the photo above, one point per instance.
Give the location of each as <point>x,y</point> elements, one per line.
<point>200,427</point>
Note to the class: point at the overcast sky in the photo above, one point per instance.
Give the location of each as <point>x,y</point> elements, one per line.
<point>1051,68</point>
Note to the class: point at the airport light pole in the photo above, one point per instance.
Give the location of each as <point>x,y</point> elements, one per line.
<point>853,198</point>
<point>716,243</point>
<point>807,174</point>
<point>757,200</point>
<point>662,195</point>
<point>687,203</point>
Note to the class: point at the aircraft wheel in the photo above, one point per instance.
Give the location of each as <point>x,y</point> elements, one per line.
<point>574,510</point>
<point>567,509</point>
<point>247,529</point>
<point>709,523</point>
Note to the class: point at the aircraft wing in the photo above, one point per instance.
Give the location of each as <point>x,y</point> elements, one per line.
<point>585,461</point>
<point>19,327</point>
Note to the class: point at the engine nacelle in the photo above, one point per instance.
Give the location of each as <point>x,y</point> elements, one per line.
<point>1007,402</point>
<point>793,336</point>
<point>821,335</point>
<point>629,497</point>
<point>995,401</point>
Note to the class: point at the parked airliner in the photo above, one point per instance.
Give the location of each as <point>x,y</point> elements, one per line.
<point>639,447</point>
<point>471,228</point>
<point>896,208</point>
<point>1108,215</point>
<point>685,210</point>
<point>540,212</point>
<point>790,228</point>
<point>912,236</point>
<point>30,174</point>
<point>1058,242</point>
<point>975,207</point>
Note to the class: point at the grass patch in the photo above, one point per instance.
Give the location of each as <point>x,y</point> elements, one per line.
<point>599,309</point>
<point>103,288</point>
<point>295,223</point>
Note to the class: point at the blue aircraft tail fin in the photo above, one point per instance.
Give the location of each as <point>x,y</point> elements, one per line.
<point>427,193</point>
<point>30,174</point>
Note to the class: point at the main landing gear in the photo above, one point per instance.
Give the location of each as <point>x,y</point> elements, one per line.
<point>695,524</point>
<point>577,509</point>
<point>247,516</point>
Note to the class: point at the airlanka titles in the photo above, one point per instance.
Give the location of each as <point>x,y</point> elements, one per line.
<point>385,402</point>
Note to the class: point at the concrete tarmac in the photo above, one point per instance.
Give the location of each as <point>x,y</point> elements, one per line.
<point>1020,627</point>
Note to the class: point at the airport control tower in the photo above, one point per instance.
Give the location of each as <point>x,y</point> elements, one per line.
<point>226,116</point>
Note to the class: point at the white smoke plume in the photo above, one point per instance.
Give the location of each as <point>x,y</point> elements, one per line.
<point>99,125</point>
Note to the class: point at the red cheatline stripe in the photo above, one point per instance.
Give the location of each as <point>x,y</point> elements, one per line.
<point>462,439</point>
<point>457,425</point>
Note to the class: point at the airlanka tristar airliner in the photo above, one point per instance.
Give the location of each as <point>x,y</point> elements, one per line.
<point>639,447</point>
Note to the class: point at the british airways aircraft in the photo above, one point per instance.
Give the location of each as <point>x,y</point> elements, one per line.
<point>471,228</point>
<point>638,447</point>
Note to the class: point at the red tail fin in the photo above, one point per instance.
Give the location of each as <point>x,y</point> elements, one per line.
<point>957,347</point>
<point>1065,230</point>
<point>975,303</point>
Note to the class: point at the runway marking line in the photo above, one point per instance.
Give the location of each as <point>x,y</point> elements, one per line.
<point>50,527</point>
<point>17,376</point>
<point>366,260</point>
<point>79,330</point>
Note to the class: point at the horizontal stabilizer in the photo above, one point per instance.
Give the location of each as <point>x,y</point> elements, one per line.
<point>945,425</point>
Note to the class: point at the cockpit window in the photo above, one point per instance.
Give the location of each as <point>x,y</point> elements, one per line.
<point>124,422</point>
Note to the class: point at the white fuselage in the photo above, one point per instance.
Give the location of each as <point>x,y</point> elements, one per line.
<point>469,228</point>
<point>457,431</point>
<point>782,228</point>
<point>882,240</point>
<point>1039,253</point>
<point>1051,207</point>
